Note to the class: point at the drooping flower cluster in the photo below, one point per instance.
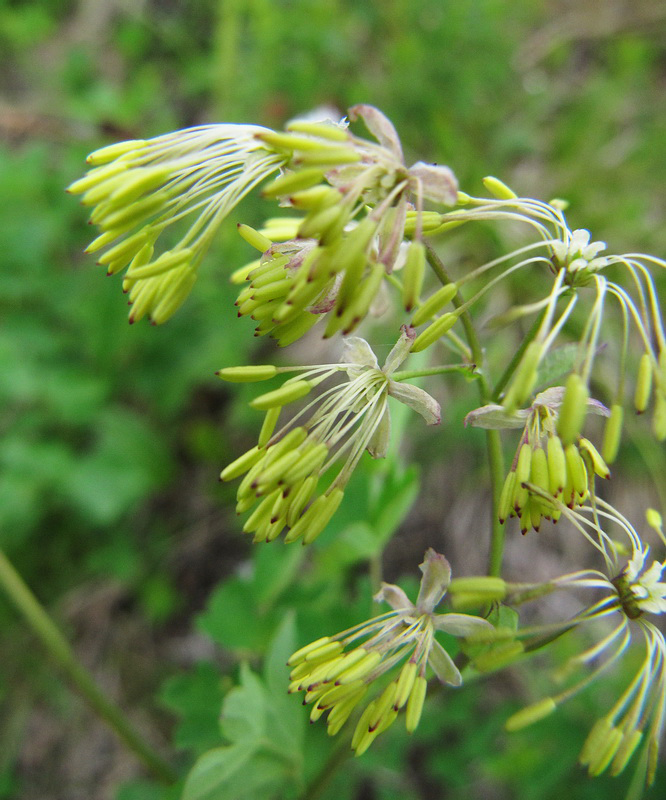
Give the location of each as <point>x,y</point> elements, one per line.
<point>543,461</point>
<point>140,188</point>
<point>631,592</point>
<point>354,193</point>
<point>282,473</point>
<point>577,264</point>
<point>335,672</point>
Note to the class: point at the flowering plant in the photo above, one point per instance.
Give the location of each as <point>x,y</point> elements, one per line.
<point>356,249</point>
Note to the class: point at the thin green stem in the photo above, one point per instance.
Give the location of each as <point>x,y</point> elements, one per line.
<point>376,574</point>
<point>493,441</point>
<point>496,463</point>
<point>321,780</point>
<point>58,647</point>
<point>505,377</point>
<point>408,374</point>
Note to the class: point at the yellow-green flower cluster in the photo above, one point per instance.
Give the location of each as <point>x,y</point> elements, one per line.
<point>629,595</point>
<point>335,672</point>
<point>140,188</point>
<point>576,263</point>
<point>552,461</point>
<point>269,297</point>
<point>282,473</point>
<point>354,193</point>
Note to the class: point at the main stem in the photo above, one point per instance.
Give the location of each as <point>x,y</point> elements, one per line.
<point>493,441</point>
<point>58,647</point>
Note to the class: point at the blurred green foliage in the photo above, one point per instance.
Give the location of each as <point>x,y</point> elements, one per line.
<point>112,436</point>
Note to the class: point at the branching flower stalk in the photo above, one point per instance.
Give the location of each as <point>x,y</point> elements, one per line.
<point>355,245</point>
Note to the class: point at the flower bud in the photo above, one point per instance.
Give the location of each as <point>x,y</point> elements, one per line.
<point>505,504</point>
<point>530,714</point>
<point>643,383</point>
<point>524,378</point>
<point>405,684</point>
<point>299,655</point>
<point>498,188</point>
<point>576,469</point>
<point>112,151</point>
<point>605,753</point>
<point>247,374</point>
<point>415,704</point>
<point>323,130</point>
<point>659,418</point>
<point>612,434</point>
<point>287,393</point>
<point>486,586</point>
<point>573,409</point>
<point>593,458</point>
<point>291,331</point>
<point>242,464</point>
<point>653,518</point>
<point>316,197</point>
<point>293,182</point>
<point>434,331</point>
<point>595,740</point>
<point>413,274</point>
<point>328,157</point>
<point>630,741</point>
<point>557,469</point>
<point>434,303</point>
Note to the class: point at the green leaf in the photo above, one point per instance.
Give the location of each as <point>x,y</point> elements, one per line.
<point>283,644</point>
<point>503,616</point>
<point>196,698</point>
<point>558,361</point>
<point>217,771</point>
<point>286,718</point>
<point>264,756</point>
<point>397,497</point>
<point>243,716</point>
<point>275,568</point>
<point>127,460</point>
<point>227,621</point>
<point>147,790</point>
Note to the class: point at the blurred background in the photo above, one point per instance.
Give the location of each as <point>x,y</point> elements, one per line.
<point>112,436</point>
